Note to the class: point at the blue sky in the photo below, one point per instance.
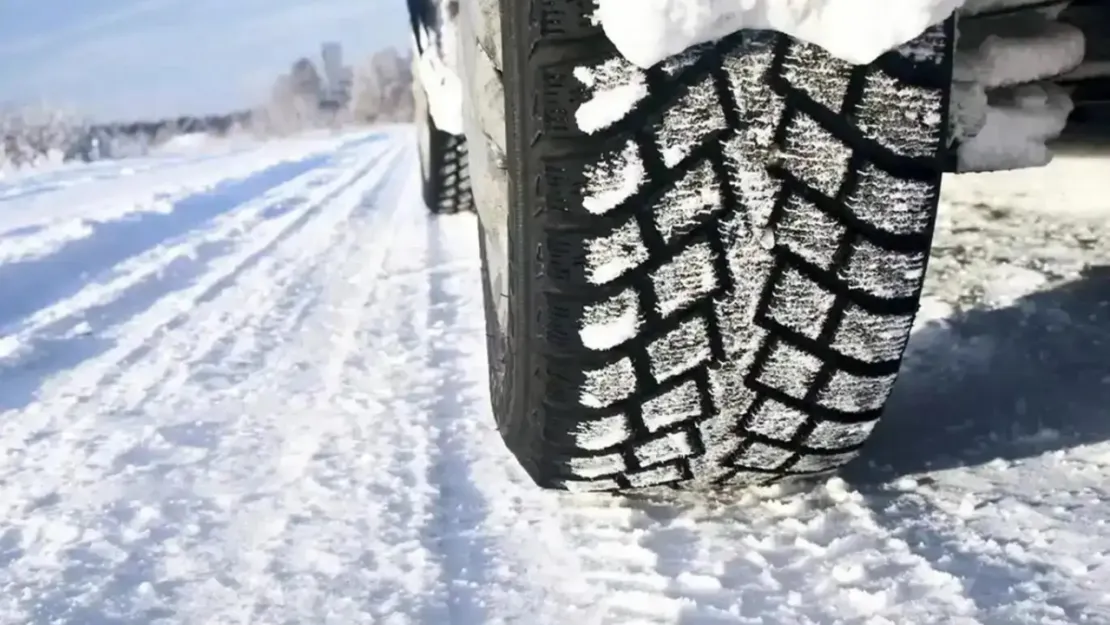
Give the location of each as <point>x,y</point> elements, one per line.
<point>123,59</point>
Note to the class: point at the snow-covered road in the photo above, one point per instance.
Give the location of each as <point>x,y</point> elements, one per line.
<point>249,387</point>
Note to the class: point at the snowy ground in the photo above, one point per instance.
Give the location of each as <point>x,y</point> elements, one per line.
<point>249,387</point>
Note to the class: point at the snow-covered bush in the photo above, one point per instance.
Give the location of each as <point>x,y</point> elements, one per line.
<point>37,134</point>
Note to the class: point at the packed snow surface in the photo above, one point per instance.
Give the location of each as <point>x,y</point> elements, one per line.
<point>249,387</point>
<point>648,31</point>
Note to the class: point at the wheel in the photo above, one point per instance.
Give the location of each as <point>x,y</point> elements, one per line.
<point>700,274</point>
<point>443,169</point>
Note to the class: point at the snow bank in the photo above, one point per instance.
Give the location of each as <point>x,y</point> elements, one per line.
<point>648,31</point>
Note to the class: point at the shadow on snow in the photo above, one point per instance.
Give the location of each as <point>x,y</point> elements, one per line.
<point>1009,383</point>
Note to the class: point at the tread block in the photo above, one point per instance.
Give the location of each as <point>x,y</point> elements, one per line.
<point>890,204</point>
<point>763,456</point>
<point>608,257</point>
<point>800,304</point>
<point>790,370</point>
<point>666,448</point>
<point>689,277</point>
<point>693,197</point>
<point>602,433</point>
<point>609,384</point>
<point>872,337</point>
<point>678,405</point>
<point>817,74</point>
<point>685,125</point>
<point>900,277</point>
<point>680,350</point>
<point>900,117</point>
<point>832,435</point>
<point>809,232</point>
<point>777,421</point>
<point>610,181</point>
<point>816,156</point>
<point>847,392</point>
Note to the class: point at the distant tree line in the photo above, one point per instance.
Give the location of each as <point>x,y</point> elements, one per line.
<point>378,90</point>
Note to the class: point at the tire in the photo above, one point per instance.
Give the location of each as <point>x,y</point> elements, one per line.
<point>717,287</point>
<point>443,169</point>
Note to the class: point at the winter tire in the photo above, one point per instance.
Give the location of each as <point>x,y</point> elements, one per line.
<point>443,168</point>
<point>716,285</point>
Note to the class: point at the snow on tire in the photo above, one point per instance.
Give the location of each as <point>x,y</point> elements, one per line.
<point>715,284</point>
<point>443,169</point>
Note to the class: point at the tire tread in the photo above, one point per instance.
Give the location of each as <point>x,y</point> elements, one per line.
<point>765,346</point>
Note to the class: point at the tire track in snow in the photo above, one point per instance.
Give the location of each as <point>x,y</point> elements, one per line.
<point>455,533</point>
<point>139,277</point>
<point>340,513</point>
<point>275,201</point>
<point>121,388</point>
<point>107,348</point>
<point>105,170</point>
<point>71,266</point>
<point>759,556</point>
<point>96,171</point>
<point>505,549</point>
<point>284,270</point>
<point>185,445</point>
<point>123,385</point>
<point>122,186</point>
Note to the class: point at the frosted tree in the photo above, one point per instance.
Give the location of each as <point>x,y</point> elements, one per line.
<point>383,88</point>
<point>38,133</point>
